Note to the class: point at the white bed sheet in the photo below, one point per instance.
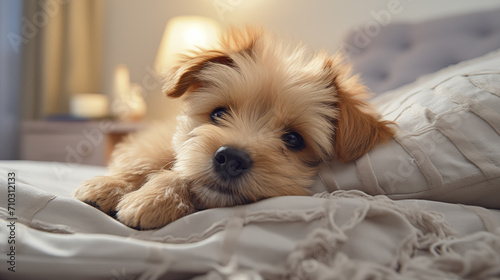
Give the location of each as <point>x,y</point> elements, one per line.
<point>346,234</point>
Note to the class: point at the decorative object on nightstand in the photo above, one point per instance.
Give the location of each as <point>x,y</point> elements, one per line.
<point>128,101</point>
<point>85,142</point>
<point>88,105</point>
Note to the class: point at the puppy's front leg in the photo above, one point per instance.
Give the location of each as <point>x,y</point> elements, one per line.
<point>104,192</point>
<point>163,199</point>
<point>133,160</point>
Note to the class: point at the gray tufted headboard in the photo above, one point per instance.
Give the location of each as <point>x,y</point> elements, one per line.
<point>401,52</point>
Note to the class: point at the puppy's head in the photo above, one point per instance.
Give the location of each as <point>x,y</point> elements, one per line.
<point>260,116</point>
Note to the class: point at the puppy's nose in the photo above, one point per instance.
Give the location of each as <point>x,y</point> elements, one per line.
<point>230,162</point>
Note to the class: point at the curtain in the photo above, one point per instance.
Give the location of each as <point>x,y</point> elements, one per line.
<point>62,42</point>
<point>10,73</point>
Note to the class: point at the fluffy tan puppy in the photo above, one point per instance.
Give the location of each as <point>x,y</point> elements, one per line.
<point>260,116</point>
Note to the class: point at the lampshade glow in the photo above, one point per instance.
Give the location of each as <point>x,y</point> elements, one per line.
<point>184,33</point>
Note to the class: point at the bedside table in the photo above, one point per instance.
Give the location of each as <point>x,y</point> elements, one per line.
<point>85,142</point>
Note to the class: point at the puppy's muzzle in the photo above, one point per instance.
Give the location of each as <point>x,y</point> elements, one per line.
<point>230,162</point>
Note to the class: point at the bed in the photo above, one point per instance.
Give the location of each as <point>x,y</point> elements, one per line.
<point>424,206</point>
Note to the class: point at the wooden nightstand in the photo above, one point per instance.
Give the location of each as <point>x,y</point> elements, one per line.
<point>86,142</point>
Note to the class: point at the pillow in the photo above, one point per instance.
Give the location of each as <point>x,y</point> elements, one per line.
<point>448,144</point>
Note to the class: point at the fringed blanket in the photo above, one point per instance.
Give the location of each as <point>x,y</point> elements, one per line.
<point>339,235</point>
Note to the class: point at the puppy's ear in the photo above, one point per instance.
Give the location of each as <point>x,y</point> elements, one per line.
<point>234,41</point>
<point>358,126</point>
<point>185,76</point>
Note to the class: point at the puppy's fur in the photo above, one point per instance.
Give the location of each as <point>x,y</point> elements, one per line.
<point>282,109</point>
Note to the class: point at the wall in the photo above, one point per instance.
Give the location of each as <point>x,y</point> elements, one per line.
<point>133,28</point>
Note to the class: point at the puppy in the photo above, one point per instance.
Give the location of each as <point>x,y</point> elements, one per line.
<point>260,116</point>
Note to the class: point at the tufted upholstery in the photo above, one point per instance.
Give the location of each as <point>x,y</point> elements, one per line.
<point>399,53</point>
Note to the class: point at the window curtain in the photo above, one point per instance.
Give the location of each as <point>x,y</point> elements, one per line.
<point>10,73</point>
<point>62,46</point>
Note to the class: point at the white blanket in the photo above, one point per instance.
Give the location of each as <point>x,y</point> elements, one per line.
<point>343,235</point>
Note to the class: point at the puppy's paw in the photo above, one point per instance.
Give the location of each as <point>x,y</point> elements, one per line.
<point>102,192</point>
<point>152,208</point>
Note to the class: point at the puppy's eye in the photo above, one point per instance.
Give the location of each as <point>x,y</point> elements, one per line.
<point>218,114</point>
<point>293,140</point>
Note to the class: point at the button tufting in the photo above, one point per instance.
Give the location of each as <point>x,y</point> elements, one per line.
<point>382,75</point>
<point>486,32</point>
<point>405,46</point>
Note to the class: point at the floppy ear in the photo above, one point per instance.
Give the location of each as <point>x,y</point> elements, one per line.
<point>358,126</point>
<point>185,76</point>
<point>234,41</point>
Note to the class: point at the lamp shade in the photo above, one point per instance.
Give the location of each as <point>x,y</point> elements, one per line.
<point>183,33</point>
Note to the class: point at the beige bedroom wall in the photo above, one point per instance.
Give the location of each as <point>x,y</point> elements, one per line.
<point>133,28</point>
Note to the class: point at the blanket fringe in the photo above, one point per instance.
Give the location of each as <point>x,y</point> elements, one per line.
<point>434,251</point>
